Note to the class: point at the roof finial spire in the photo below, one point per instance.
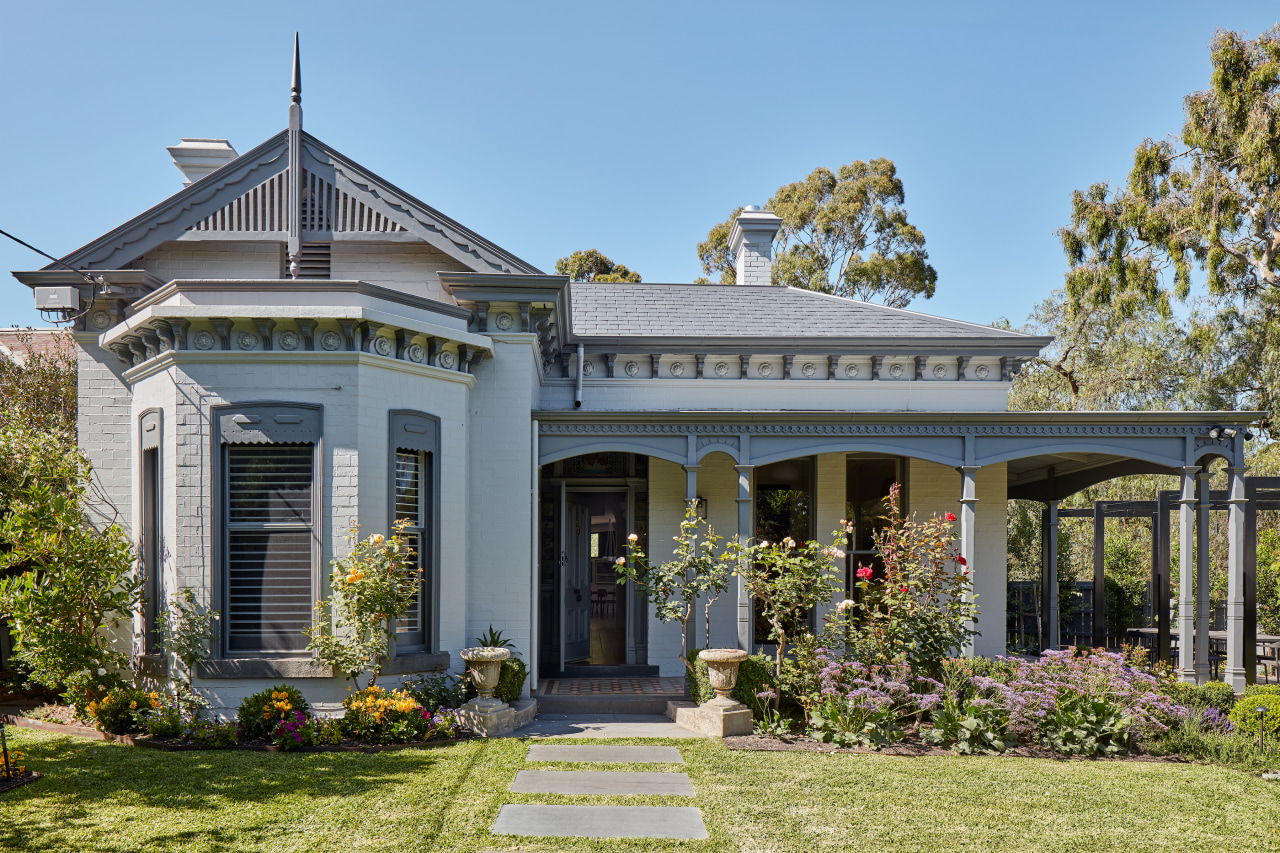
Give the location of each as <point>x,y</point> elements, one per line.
<point>296,89</point>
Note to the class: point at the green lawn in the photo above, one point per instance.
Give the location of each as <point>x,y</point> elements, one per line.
<point>105,797</point>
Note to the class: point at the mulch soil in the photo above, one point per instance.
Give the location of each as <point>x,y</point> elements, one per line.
<point>17,780</point>
<point>916,749</point>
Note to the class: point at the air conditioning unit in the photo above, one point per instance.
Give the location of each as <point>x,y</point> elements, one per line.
<point>58,298</point>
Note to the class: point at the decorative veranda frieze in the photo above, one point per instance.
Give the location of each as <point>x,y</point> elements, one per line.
<point>868,429</point>
<point>761,364</point>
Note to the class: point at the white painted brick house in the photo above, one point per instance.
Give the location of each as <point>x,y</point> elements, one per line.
<point>291,345</point>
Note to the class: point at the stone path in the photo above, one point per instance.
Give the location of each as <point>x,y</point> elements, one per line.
<point>588,821</point>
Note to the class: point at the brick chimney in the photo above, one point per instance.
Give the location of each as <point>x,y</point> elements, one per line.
<point>751,244</point>
<point>198,157</point>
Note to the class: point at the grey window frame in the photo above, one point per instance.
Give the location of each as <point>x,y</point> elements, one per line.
<point>262,423</point>
<point>413,430</point>
<point>151,523</point>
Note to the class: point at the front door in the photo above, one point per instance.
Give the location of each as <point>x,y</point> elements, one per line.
<point>577,583</point>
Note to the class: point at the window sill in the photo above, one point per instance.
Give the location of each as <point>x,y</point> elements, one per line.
<point>154,666</point>
<point>262,668</point>
<point>416,662</point>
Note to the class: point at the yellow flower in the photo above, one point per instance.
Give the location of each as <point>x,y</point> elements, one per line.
<point>133,706</point>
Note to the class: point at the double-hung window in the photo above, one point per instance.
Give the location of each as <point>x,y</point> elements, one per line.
<point>271,528</point>
<point>414,446</point>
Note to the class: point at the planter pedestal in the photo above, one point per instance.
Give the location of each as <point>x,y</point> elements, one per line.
<point>486,715</point>
<point>722,716</point>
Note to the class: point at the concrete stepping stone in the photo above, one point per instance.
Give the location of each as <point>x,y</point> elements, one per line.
<point>605,754</point>
<point>602,783</point>
<point>601,821</point>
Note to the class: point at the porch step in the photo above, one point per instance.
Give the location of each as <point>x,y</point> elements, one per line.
<point>621,695</point>
<point>628,670</point>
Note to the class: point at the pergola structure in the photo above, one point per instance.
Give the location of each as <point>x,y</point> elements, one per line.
<point>1048,455</point>
<point>1259,494</point>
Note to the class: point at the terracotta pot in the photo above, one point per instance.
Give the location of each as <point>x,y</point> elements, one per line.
<point>485,665</point>
<point>722,669</point>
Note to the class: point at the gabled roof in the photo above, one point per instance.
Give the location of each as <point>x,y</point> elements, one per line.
<point>728,314</point>
<point>242,182</point>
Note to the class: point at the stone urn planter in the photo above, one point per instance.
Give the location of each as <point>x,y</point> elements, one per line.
<point>485,666</point>
<point>722,671</point>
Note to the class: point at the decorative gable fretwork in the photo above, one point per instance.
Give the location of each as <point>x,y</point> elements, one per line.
<point>827,366</point>
<point>324,207</point>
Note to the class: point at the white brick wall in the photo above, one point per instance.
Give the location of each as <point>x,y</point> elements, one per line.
<point>212,260</point>
<point>407,267</point>
<point>103,431</point>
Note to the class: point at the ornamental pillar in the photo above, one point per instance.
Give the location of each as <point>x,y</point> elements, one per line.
<point>746,613</point>
<point>1186,575</point>
<point>1236,672</point>
<point>968,535</point>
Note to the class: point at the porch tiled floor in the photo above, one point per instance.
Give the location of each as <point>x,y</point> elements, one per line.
<point>612,686</point>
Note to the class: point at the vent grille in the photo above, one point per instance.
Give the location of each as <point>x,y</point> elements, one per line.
<point>315,260</point>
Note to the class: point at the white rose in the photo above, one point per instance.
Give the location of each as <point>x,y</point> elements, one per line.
<point>101,671</point>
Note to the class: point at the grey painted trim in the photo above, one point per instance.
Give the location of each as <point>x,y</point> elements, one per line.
<point>151,437</point>
<point>218,531</point>
<point>1128,449</point>
<point>397,421</point>
<point>416,662</point>
<point>262,668</point>
<point>270,423</point>
<point>605,444</point>
<point>816,346</point>
<point>125,278</point>
<point>298,286</point>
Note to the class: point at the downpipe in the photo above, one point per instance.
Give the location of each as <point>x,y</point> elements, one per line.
<point>577,395</point>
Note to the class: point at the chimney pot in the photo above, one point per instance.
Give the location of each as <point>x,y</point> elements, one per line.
<point>751,243</point>
<point>196,158</point>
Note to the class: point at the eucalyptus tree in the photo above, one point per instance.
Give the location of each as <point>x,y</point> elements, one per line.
<point>591,265</point>
<point>845,233</point>
<point>1206,203</point>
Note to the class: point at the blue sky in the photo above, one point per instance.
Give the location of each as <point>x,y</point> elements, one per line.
<point>631,128</point>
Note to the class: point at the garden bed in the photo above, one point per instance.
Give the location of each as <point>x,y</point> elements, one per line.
<point>76,729</point>
<point>915,748</point>
<point>18,780</point>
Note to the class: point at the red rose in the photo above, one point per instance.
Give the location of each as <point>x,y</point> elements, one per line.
<point>962,561</point>
<point>864,573</point>
<point>904,589</point>
<point>951,516</point>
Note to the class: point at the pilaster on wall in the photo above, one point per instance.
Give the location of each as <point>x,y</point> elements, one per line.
<point>832,497</point>
<point>500,517</point>
<point>103,431</point>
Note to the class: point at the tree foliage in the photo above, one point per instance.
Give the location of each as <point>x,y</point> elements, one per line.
<point>845,233</point>
<point>591,265</point>
<point>40,392</point>
<point>697,568</point>
<point>1208,202</point>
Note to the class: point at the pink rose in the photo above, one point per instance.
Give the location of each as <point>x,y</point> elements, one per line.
<point>951,516</point>
<point>864,573</point>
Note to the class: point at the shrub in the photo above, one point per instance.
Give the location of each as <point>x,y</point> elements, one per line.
<point>123,710</point>
<point>369,588</point>
<point>303,730</point>
<point>260,712</point>
<point>1246,719</point>
<point>1088,726</point>
<point>978,725</point>
<point>510,681</point>
<point>376,716</point>
<point>438,690</point>
<point>165,723</point>
<point>210,734</point>
<point>1262,690</point>
<point>1190,739</point>
<point>921,607</point>
<point>861,704</point>
<point>186,630</point>
<point>1214,694</point>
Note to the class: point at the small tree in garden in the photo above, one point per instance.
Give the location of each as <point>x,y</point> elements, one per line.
<point>66,584</point>
<point>369,589</point>
<point>922,609</point>
<point>186,632</point>
<point>787,580</point>
<point>695,570</point>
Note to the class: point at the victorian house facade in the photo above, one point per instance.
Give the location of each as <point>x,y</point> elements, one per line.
<point>292,345</point>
